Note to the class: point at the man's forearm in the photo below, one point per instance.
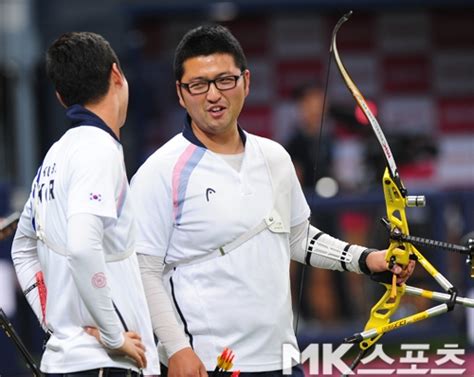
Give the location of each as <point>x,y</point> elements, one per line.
<point>309,245</point>
<point>87,264</point>
<point>163,318</point>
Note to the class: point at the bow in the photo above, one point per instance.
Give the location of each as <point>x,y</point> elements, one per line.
<point>401,248</point>
<point>7,327</point>
<point>8,225</point>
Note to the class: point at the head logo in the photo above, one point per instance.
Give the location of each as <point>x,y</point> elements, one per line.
<point>208,192</point>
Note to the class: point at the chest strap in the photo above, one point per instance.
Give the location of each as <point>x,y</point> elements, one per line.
<point>272,222</point>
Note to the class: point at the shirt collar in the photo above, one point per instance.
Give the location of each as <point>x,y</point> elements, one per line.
<point>191,137</point>
<point>80,116</point>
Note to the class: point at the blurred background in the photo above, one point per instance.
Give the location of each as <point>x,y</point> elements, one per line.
<point>413,60</point>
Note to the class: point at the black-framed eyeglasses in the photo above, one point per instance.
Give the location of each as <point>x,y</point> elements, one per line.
<point>202,86</point>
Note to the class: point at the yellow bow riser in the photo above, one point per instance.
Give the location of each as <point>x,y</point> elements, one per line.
<point>399,253</point>
<point>380,324</point>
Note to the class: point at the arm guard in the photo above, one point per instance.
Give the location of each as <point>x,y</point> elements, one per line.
<point>311,246</point>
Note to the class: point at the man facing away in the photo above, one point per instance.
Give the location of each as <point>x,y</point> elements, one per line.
<point>74,247</point>
<point>220,215</point>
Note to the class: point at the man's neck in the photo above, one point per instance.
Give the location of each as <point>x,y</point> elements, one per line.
<point>105,113</point>
<point>225,143</point>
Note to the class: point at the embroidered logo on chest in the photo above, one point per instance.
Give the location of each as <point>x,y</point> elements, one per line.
<point>209,191</point>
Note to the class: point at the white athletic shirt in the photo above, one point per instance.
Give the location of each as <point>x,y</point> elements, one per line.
<point>84,173</point>
<point>188,202</point>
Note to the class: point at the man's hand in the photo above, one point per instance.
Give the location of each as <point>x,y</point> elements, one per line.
<point>131,347</point>
<point>376,263</point>
<point>185,363</point>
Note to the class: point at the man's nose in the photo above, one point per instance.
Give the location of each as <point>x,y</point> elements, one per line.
<point>213,93</point>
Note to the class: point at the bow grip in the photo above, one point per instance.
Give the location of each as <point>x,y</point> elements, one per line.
<point>396,255</point>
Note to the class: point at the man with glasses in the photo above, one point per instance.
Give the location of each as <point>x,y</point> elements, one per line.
<point>220,213</point>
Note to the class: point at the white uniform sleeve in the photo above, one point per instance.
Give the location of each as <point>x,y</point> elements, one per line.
<point>153,208</point>
<point>163,319</point>
<point>86,261</point>
<point>309,245</point>
<point>95,182</point>
<point>25,259</point>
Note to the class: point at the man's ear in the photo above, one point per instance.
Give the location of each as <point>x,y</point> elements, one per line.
<point>60,99</point>
<point>116,76</point>
<point>247,82</point>
<point>180,95</point>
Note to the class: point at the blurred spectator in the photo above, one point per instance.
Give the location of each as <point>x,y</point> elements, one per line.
<point>308,146</point>
<point>311,151</point>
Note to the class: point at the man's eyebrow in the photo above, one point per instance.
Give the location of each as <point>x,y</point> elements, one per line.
<point>198,78</point>
<point>202,78</point>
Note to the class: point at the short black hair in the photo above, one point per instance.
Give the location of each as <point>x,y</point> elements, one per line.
<point>304,89</point>
<point>207,40</point>
<point>79,65</point>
